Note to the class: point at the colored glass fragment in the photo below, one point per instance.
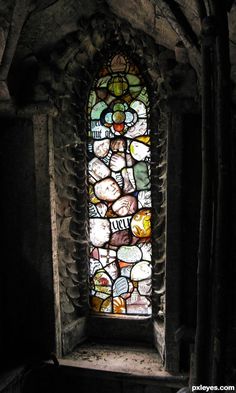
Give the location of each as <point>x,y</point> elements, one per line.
<point>119,191</point>
<point>141,223</point>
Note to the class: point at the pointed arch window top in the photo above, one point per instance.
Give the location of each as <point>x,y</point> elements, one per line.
<point>119,190</point>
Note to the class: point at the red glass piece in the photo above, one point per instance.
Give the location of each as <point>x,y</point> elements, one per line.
<point>118,127</point>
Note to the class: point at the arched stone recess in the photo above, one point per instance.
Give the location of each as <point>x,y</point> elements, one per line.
<point>66,79</point>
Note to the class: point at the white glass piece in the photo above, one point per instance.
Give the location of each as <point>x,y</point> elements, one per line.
<point>112,270</point>
<point>141,271</point>
<point>97,170</point>
<point>140,151</point>
<point>137,129</point>
<point>106,159</point>
<point>139,107</point>
<point>129,182</point>
<point>102,209</point>
<point>94,266</point>
<point>129,160</point>
<point>99,131</point>
<point>145,287</point>
<point>129,254</point>
<point>118,178</point>
<point>99,231</point>
<point>117,162</point>
<point>144,199</point>
<point>119,224</point>
<point>98,210</point>
<point>101,147</point>
<point>102,295</point>
<point>146,249</point>
<point>125,205</point>
<point>138,304</point>
<point>125,271</point>
<point>93,212</point>
<point>107,190</point>
<point>104,255</point>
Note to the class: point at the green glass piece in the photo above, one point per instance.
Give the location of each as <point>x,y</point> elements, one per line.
<point>97,110</point>
<point>143,96</point>
<point>141,176</point>
<point>133,80</point>
<point>118,107</point>
<point>102,82</point>
<point>134,91</point>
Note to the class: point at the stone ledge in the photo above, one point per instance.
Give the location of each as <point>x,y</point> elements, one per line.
<point>132,363</point>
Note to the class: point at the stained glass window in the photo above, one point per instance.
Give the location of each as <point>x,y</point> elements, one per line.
<point>119,190</point>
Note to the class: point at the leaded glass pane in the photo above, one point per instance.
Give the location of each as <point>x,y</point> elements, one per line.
<point>119,191</point>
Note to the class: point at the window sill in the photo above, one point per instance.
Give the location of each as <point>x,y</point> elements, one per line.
<point>133,363</point>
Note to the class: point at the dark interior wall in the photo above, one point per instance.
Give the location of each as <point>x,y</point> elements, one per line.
<point>191,211</point>
<point>183,216</point>
<point>190,214</point>
<point>230,300</point>
<point>20,302</point>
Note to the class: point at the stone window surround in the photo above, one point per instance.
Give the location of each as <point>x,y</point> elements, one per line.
<point>66,153</point>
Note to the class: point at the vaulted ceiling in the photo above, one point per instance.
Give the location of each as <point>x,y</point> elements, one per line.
<point>36,27</point>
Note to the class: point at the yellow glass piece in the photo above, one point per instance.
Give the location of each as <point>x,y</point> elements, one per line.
<point>103,289</point>
<point>95,303</point>
<point>92,197</point>
<point>119,305</point>
<point>144,139</point>
<point>106,305</point>
<point>141,223</point>
<point>118,85</point>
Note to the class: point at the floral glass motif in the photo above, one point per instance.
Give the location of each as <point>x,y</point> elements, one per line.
<point>119,191</point>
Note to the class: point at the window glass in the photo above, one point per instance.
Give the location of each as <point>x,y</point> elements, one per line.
<point>119,191</point>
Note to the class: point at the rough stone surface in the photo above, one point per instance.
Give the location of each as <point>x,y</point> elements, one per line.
<point>48,22</point>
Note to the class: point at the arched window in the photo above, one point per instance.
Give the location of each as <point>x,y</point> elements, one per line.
<point>119,179</point>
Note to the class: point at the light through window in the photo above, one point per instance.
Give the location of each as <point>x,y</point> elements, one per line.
<point>119,191</point>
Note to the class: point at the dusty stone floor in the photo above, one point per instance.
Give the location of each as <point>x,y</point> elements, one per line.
<point>132,359</point>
